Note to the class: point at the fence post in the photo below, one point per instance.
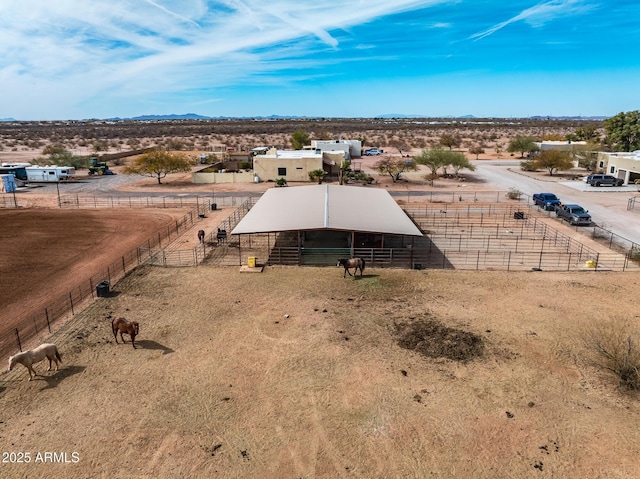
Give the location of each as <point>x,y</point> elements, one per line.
<point>71,301</point>
<point>124,268</point>
<point>18,339</point>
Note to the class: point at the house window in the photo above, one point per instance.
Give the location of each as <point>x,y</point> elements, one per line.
<point>612,169</point>
<point>602,164</point>
<point>282,172</point>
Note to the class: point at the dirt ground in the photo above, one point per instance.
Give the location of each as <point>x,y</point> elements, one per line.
<point>297,372</point>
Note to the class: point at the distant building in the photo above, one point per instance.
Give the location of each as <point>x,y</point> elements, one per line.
<point>353,148</point>
<point>569,146</point>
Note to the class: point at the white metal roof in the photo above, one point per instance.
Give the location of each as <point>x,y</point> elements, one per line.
<point>335,207</point>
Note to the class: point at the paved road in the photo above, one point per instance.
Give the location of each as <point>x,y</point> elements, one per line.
<point>608,207</point>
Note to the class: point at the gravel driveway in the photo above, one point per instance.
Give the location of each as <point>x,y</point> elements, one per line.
<point>607,205</point>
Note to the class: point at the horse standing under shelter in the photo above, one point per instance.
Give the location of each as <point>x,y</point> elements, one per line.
<point>122,326</point>
<point>357,263</point>
<point>29,358</point>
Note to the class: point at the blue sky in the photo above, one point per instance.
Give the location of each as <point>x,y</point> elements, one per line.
<point>76,59</point>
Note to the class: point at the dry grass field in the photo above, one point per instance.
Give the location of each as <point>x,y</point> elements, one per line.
<point>355,382</point>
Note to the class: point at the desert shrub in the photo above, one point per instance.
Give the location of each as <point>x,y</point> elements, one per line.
<point>361,176</point>
<point>589,164</point>
<point>317,175</point>
<point>614,346</point>
<point>281,181</point>
<point>514,194</point>
<point>528,165</point>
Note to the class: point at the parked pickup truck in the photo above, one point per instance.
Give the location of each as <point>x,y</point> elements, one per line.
<point>574,214</point>
<point>548,201</point>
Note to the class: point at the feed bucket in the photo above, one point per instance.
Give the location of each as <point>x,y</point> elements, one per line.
<point>102,289</point>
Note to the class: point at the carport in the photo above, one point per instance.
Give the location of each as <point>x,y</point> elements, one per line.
<point>317,224</point>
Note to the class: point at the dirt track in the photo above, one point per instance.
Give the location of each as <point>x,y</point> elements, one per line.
<point>47,252</point>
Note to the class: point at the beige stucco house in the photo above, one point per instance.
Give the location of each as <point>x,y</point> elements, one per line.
<point>295,165</point>
<point>621,165</point>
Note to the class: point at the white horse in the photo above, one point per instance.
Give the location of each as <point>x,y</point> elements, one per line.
<point>29,358</point>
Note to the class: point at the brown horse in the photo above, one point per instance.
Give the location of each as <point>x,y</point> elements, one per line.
<point>201,236</point>
<point>122,326</point>
<point>356,263</point>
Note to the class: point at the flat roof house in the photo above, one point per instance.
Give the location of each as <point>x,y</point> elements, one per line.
<point>294,165</point>
<point>624,165</point>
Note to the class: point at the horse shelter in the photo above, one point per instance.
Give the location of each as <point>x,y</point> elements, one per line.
<point>317,225</point>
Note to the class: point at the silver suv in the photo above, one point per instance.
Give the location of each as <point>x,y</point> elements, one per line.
<point>601,180</point>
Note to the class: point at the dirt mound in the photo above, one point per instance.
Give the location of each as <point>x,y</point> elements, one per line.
<point>434,340</point>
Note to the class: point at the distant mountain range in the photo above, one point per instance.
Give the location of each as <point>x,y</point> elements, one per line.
<point>186,116</point>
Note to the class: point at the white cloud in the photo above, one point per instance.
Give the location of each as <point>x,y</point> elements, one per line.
<point>540,14</point>
<point>79,50</point>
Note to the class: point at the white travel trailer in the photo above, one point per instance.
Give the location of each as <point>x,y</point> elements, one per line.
<point>48,174</point>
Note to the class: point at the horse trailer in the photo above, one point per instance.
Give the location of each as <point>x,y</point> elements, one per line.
<point>46,174</point>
